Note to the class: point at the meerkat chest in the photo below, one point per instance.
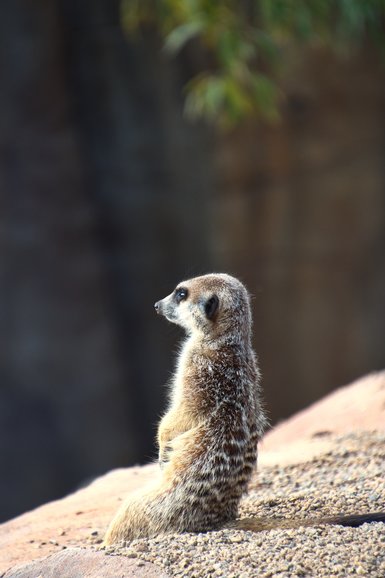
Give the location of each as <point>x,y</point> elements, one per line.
<point>181,376</point>
<point>206,378</point>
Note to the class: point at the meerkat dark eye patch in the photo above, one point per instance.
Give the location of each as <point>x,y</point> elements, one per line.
<point>211,307</point>
<point>180,294</point>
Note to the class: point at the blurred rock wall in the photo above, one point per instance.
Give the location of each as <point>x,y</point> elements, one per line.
<point>101,194</point>
<point>299,213</point>
<point>108,197</point>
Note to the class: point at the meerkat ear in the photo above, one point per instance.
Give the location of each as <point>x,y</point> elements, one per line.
<point>211,307</point>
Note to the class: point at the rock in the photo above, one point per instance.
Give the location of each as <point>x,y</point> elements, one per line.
<point>78,563</point>
<point>81,518</point>
<point>358,406</point>
<point>70,521</point>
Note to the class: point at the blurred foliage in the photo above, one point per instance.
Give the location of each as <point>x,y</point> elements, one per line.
<point>244,42</point>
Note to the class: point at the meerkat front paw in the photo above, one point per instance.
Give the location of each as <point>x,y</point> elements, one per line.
<point>164,455</point>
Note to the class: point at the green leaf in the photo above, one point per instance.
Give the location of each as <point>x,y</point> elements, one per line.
<point>242,39</point>
<point>182,34</point>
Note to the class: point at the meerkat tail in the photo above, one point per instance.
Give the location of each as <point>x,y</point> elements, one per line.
<point>260,524</point>
<point>355,520</point>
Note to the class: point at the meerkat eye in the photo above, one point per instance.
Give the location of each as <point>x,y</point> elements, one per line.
<point>181,294</point>
<point>211,307</point>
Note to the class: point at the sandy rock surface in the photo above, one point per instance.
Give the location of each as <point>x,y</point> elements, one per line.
<point>306,468</point>
<point>82,563</point>
<point>358,406</point>
<point>77,520</point>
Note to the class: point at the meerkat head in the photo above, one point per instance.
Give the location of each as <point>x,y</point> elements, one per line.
<point>211,304</point>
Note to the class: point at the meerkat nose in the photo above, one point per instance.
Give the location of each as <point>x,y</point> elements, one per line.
<point>157,306</point>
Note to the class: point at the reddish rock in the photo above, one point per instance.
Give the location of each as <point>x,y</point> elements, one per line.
<point>359,406</point>
<point>76,520</point>
<point>77,563</point>
<point>81,518</point>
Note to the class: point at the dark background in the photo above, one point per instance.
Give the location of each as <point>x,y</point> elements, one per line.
<point>108,197</point>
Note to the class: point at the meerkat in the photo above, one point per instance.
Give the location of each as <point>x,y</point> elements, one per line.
<point>209,436</point>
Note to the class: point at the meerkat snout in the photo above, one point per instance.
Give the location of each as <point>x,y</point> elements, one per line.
<point>169,306</point>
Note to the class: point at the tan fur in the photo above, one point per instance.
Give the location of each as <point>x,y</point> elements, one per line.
<point>208,437</point>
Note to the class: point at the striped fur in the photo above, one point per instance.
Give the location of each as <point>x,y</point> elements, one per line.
<point>208,437</point>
